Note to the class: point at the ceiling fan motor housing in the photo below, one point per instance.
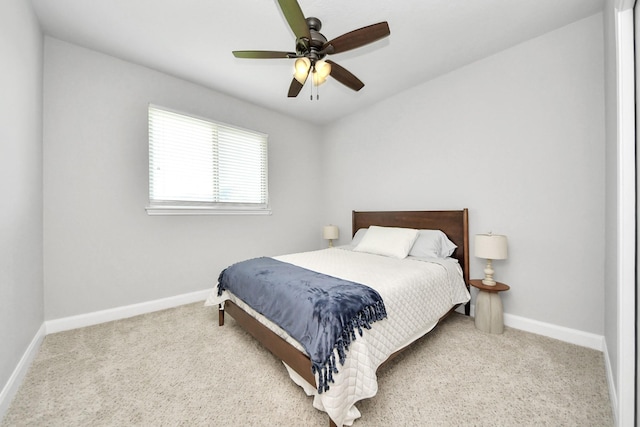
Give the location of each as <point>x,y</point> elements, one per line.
<point>312,49</point>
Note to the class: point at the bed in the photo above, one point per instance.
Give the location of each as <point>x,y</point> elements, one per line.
<point>411,312</point>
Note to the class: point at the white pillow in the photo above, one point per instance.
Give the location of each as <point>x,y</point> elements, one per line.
<point>432,244</point>
<point>357,238</point>
<point>388,241</point>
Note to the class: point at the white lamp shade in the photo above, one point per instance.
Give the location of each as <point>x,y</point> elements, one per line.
<point>302,66</point>
<point>322,71</point>
<point>491,246</point>
<point>330,232</point>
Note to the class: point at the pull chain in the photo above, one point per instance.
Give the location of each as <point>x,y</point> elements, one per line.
<point>313,81</point>
<point>313,70</point>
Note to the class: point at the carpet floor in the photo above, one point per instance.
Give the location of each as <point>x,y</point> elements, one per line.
<point>177,367</point>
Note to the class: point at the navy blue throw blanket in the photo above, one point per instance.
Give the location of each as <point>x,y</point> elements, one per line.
<point>320,312</point>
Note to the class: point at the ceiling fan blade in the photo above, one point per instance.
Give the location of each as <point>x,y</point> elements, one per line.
<point>345,77</point>
<point>357,38</point>
<point>263,54</point>
<point>295,18</point>
<point>294,88</point>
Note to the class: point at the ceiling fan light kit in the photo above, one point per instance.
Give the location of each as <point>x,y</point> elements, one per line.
<point>312,47</point>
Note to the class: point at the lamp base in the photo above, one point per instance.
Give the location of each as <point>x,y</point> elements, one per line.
<point>488,275</point>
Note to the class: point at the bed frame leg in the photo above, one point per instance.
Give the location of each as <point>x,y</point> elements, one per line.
<point>221,314</point>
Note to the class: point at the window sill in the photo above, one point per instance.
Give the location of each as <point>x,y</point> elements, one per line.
<point>203,210</point>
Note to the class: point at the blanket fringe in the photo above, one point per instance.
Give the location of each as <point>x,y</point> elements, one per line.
<point>364,319</point>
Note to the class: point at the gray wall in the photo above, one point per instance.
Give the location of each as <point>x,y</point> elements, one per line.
<point>518,138</point>
<point>101,249</point>
<point>21,282</point>
<point>526,127</point>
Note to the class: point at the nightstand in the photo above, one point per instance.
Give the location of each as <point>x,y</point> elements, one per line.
<point>488,309</point>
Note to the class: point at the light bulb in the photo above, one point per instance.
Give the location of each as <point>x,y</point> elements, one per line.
<point>321,71</point>
<point>323,68</point>
<point>318,79</point>
<point>301,69</point>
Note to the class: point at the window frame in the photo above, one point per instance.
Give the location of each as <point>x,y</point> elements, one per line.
<point>175,207</point>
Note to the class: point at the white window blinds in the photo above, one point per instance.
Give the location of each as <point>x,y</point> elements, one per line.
<point>198,164</point>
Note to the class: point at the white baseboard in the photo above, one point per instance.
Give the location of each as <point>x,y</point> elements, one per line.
<point>572,336</point>
<point>102,316</point>
<point>15,380</point>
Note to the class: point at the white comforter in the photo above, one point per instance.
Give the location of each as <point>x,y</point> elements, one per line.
<point>416,294</point>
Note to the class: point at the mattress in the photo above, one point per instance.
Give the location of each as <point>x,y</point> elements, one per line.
<point>416,292</point>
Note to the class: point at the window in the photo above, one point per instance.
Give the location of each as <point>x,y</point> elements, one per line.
<point>197,166</point>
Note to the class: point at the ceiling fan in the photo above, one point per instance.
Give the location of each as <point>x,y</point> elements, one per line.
<point>312,47</point>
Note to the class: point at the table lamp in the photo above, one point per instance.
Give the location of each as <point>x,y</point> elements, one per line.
<point>330,232</point>
<point>490,246</point>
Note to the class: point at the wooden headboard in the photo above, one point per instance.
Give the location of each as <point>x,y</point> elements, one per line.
<point>455,224</point>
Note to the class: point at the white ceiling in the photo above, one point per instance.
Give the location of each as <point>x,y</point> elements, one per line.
<point>193,40</point>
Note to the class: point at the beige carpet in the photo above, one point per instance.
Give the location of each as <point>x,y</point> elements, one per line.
<point>177,367</point>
